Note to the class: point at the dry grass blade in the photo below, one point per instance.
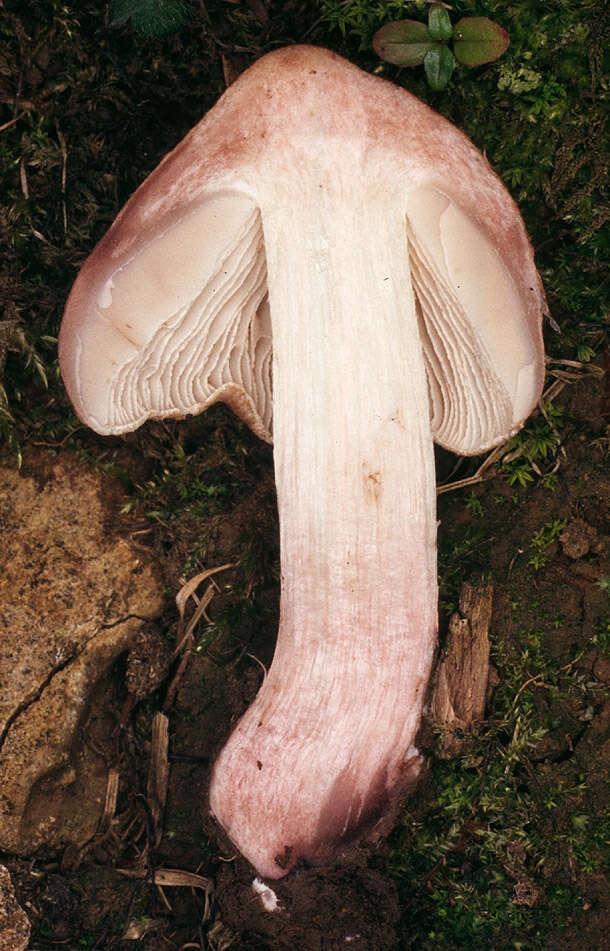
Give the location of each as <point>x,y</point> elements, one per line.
<point>7,125</point>
<point>187,631</point>
<point>184,634</point>
<point>537,680</point>
<point>164,898</point>
<point>480,475</point>
<point>64,165</point>
<point>23,177</point>
<point>188,589</point>
<point>171,878</point>
<point>574,370</point>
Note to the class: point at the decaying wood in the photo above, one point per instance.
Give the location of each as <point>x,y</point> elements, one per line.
<point>112,794</point>
<point>460,683</point>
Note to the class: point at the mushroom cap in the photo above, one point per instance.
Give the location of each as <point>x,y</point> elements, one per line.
<point>170,312</point>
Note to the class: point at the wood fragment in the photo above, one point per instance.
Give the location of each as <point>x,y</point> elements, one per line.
<point>460,683</point>
<point>112,792</point>
<point>158,774</point>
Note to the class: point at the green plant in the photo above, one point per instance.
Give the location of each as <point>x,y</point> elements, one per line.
<point>474,505</point>
<point>459,554</point>
<point>534,446</point>
<point>14,339</point>
<point>601,638</point>
<point>476,40</point>
<point>152,18</point>
<point>480,816</point>
<point>543,539</point>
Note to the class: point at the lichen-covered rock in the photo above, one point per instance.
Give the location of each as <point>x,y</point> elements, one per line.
<point>73,594</point>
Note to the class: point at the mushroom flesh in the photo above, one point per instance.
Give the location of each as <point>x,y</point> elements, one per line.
<point>335,261</point>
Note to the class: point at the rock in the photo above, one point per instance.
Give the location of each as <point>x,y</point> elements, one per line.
<point>73,594</point>
<point>14,923</point>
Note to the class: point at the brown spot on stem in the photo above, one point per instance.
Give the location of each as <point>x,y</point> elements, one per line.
<point>373,484</point>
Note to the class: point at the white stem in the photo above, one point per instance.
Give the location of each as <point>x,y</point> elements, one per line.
<point>329,741</point>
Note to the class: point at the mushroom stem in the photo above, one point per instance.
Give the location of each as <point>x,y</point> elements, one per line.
<point>328,743</point>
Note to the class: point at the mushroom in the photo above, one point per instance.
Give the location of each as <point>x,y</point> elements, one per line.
<point>324,248</point>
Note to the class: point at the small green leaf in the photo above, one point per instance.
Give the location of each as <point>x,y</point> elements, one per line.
<point>478,40</point>
<point>403,42</point>
<point>438,64</point>
<point>439,24</point>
